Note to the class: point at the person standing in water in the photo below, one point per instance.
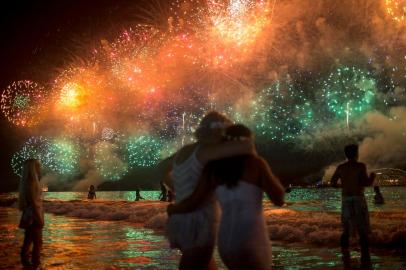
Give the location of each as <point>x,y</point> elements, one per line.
<point>138,195</point>
<point>239,183</point>
<point>92,193</point>
<point>354,209</point>
<point>194,233</point>
<point>32,218</point>
<point>378,198</point>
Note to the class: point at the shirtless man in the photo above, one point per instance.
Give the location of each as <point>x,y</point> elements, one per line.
<point>354,210</point>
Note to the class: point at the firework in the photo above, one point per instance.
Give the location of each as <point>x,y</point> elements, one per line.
<point>187,16</point>
<point>158,81</point>
<point>348,92</point>
<point>239,21</point>
<point>80,89</point>
<point>22,102</point>
<point>108,134</point>
<point>236,27</point>
<point>35,147</point>
<point>130,57</point>
<point>109,162</point>
<point>396,9</point>
<point>281,112</point>
<point>80,97</point>
<point>65,156</point>
<point>143,150</point>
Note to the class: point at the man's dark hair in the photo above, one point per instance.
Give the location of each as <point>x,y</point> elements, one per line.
<point>351,151</point>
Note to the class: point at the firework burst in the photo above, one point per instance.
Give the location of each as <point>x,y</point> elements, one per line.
<point>22,102</point>
<point>144,150</point>
<point>65,156</point>
<point>281,112</point>
<point>396,9</point>
<point>109,162</point>
<point>348,92</point>
<point>35,147</point>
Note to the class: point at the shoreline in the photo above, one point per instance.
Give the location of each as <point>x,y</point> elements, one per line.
<point>320,228</point>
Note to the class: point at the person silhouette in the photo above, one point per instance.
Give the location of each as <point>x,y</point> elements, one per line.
<point>138,195</point>
<point>194,233</point>
<point>92,193</point>
<point>163,195</point>
<point>239,183</point>
<point>354,210</point>
<point>378,197</point>
<point>32,218</point>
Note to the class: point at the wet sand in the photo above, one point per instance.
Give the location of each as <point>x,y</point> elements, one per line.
<point>74,243</point>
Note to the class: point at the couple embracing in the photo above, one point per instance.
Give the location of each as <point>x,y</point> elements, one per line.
<point>221,171</point>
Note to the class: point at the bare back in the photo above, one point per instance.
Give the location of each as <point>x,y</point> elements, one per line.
<point>257,172</point>
<point>353,178</point>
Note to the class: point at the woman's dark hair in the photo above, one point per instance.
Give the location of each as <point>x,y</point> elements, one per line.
<point>209,123</point>
<point>228,171</point>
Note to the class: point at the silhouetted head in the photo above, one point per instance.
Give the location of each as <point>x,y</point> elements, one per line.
<point>351,151</point>
<point>238,132</point>
<point>376,189</point>
<point>32,169</point>
<point>211,127</point>
<point>229,170</point>
<point>91,187</point>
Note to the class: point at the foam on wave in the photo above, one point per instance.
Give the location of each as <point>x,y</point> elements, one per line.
<point>320,228</point>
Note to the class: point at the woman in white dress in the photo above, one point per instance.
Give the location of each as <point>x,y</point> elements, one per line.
<point>194,233</point>
<point>32,218</point>
<point>238,182</point>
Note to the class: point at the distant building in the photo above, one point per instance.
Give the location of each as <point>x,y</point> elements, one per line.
<point>390,177</point>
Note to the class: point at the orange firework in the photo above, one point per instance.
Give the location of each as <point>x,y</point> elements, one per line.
<point>72,95</point>
<point>236,26</point>
<point>396,9</point>
<point>80,97</point>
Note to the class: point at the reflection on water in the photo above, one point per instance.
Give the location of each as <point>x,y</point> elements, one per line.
<point>329,199</point>
<point>71,243</point>
<point>301,199</point>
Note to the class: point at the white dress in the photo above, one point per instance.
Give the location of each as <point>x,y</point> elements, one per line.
<point>197,228</point>
<point>243,239</point>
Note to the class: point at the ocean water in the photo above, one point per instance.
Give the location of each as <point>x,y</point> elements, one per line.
<point>114,232</point>
<point>301,199</point>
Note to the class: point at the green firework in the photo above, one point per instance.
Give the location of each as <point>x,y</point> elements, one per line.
<point>65,156</point>
<point>144,150</point>
<point>281,112</point>
<point>109,161</point>
<point>348,92</point>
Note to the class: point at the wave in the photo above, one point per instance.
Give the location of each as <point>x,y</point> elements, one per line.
<point>286,225</point>
<point>324,228</point>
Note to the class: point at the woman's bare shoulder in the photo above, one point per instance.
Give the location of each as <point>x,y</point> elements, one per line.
<point>184,153</point>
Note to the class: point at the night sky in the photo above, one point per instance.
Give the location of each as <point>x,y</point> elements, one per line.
<point>33,32</point>
<point>41,38</point>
